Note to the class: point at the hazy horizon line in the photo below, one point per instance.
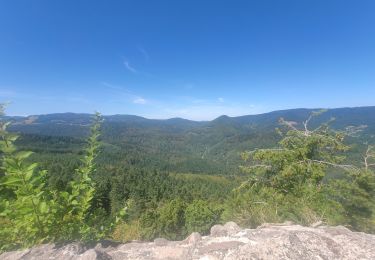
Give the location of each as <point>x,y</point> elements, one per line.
<point>177,117</point>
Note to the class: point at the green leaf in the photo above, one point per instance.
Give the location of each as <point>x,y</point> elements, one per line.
<point>23,155</point>
<point>12,181</point>
<point>43,207</point>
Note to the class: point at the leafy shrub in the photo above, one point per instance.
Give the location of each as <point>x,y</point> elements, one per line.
<point>252,207</point>
<point>126,232</point>
<point>356,194</point>
<point>33,213</point>
<point>200,217</point>
<point>171,219</point>
<point>175,219</point>
<point>286,183</point>
<point>150,227</point>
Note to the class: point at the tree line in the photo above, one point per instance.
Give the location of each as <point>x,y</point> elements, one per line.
<point>86,196</point>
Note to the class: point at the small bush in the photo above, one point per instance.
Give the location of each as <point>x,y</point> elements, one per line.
<point>200,217</point>
<point>126,232</point>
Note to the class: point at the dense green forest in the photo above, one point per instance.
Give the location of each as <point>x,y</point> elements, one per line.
<point>130,178</point>
<point>179,145</point>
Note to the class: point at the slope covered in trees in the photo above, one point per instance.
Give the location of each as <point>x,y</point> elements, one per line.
<point>180,145</point>
<point>176,176</point>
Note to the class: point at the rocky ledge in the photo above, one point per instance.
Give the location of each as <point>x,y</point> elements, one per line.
<point>269,241</point>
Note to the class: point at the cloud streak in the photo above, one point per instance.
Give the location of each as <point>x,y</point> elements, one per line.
<point>134,98</point>
<point>129,67</point>
<point>115,87</point>
<point>140,101</point>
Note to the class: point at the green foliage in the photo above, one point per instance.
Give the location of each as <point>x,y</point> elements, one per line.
<point>127,231</point>
<point>253,207</point>
<point>260,204</point>
<point>25,204</point>
<point>175,219</point>
<point>301,158</point>
<point>150,193</point>
<point>166,221</point>
<point>356,194</point>
<point>33,213</point>
<point>149,221</point>
<point>137,189</point>
<point>287,182</point>
<point>172,219</point>
<point>76,202</point>
<point>176,145</point>
<point>200,216</point>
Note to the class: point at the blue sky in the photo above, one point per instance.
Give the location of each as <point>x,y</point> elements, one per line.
<point>191,59</point>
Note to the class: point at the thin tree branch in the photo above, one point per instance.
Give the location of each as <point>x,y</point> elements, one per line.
<point>258,166</point>
<point>343,166</point>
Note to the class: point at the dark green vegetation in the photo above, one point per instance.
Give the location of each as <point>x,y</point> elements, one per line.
<point>32,212</point>
<point>178,176</point>
<point>178,145</point>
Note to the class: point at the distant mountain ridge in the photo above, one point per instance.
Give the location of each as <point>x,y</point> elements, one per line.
<point>297,113</point>
<point>343,117</point>
<point>183,145</point>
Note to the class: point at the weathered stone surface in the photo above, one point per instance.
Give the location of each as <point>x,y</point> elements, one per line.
<point>218,231</point>
<point>161,242</point>
<point>230,228</point>
<point>93,254</point>
<point>269,241</point>
<point>194,238</point>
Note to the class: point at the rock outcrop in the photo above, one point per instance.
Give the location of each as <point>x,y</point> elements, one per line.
<point>269,241</point>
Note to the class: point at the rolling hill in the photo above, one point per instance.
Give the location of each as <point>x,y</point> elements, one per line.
<point>176,144</point>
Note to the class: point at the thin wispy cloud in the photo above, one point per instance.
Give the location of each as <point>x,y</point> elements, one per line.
<point>114,87</point>
<point>220,99</point>
<point>122,91</point>
<point>129,67</point>
<point>140,101</point>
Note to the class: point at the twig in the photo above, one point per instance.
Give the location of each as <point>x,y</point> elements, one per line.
<point>343,166</point>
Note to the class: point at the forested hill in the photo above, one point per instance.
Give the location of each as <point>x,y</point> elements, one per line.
<point>177,144</point>
<point>73,124</point>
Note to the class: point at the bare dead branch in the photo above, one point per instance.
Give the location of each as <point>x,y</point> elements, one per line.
<point>343,166</point>
<point>305,123</point>
<point>369,155</point>
<point>259,166</point>
<point>266,149</point>
<point>289,124</point>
